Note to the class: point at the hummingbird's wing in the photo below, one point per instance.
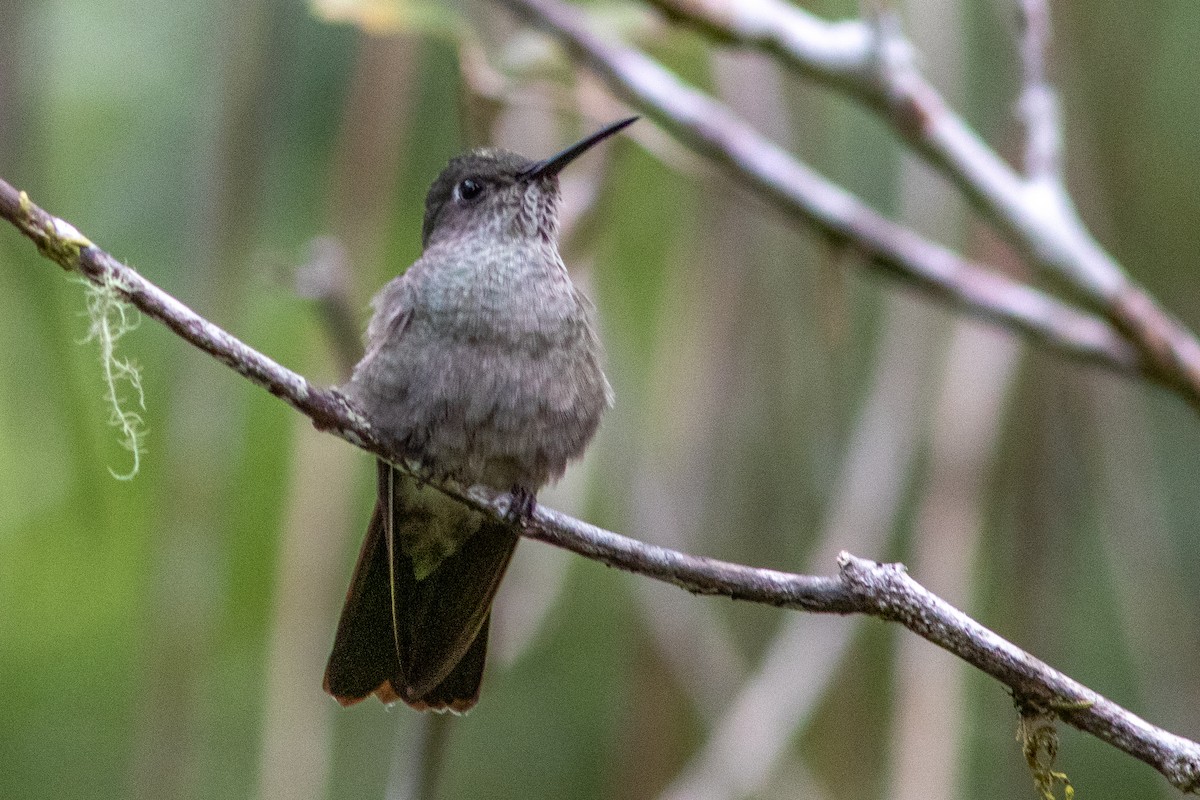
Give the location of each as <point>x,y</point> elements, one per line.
<point>392,328</point>
<point>423,642</point>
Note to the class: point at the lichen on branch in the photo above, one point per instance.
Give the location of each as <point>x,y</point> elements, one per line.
<point>110,318</point>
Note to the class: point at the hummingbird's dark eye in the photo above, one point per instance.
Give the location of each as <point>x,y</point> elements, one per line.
<point>468,189</point>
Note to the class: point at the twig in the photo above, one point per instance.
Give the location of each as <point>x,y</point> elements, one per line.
<point>713,130</point>
<point>874,64</point>
<point>1038,104</point>
<point>860,587</point>
<point>325,278</point>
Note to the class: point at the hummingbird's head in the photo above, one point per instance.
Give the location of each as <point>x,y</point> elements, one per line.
<point>499,193</point>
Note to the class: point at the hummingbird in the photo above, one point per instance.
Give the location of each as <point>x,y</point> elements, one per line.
<point>483,364</point>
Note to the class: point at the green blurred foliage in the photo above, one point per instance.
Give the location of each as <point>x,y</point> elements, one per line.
<point>207,143</point>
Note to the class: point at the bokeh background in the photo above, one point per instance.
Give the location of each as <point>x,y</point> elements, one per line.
<point>165,637</point>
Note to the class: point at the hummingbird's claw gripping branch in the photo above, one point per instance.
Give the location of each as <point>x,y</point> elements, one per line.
<point>522,506</point>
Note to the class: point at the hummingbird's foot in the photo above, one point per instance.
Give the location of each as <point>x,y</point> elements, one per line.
<point>522,506</point>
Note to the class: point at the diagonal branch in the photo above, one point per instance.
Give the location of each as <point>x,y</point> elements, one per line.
<point>873,63</point>
<point>860,587</point>
<point>1038,104</point>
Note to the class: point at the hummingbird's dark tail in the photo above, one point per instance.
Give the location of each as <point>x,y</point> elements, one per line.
<point>420,641</point>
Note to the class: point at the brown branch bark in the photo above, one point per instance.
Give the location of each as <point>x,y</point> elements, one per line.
<point>860,587</point>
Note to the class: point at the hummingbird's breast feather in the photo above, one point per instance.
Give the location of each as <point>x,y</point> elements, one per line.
<point>485,365</point>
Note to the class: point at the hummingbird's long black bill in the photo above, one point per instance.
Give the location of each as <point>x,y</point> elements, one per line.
<point>554,164</point>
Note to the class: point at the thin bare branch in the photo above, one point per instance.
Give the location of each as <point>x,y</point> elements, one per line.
<point>860,587</point>
<point>325,279</point>
<point>873,63</point>
<point>1038,104</point>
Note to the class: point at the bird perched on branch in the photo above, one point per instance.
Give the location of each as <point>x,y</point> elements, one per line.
<point>483,364</point>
